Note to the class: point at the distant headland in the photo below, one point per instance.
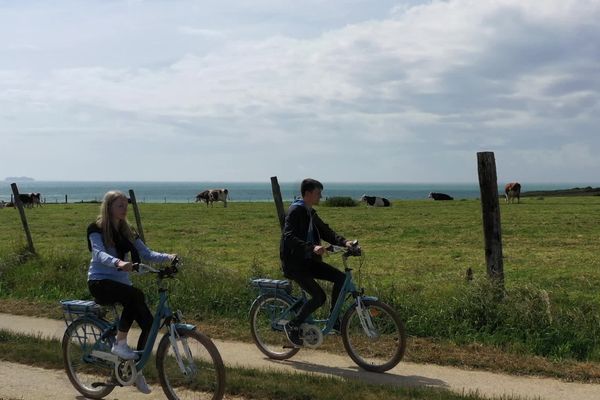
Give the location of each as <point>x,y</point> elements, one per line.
<point>586,191</point>
<point>18,179</point>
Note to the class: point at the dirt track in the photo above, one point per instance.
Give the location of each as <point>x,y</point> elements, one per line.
<point>16,380</point>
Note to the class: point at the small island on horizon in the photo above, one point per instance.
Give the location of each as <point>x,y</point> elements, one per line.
<point>18,179</point>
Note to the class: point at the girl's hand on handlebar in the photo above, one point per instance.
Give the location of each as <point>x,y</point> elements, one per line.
<point>124,266</point>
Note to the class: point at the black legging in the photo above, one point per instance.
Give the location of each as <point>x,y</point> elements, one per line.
<point>107,292</point>
<point>305,277</point>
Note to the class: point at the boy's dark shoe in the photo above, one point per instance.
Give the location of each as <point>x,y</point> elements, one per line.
<point>293,334</point>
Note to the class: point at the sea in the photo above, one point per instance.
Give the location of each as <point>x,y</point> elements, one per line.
<point>185,192</point>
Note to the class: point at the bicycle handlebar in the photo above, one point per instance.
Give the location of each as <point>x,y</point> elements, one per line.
<point>167,272</point>
<point>353,251</point>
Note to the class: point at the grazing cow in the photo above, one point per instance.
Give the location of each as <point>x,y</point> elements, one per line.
<point>212,195</point>
<point>219,195</point>
<point>374,201</point>
<point>439,196</point>
<point>36,199</point>
<point>26,199</point>
<point>512,190</point>
<point>204,196</point>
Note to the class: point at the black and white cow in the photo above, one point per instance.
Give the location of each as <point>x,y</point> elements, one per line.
<point>204,196</point>
<point>375,201</point>
<point>219,195</point>
<point>28,199</point>
<point>212,195</point>
<point>36,199</point>
<point>439,196</point>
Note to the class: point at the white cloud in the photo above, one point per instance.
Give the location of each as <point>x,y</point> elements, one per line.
<point>439,77</point>
<point>209,33</point>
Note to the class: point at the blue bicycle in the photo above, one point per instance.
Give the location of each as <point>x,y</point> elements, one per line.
<point>188,363</point>
<point>372,332</point>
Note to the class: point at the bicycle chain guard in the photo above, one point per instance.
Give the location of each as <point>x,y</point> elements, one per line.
<point>311,335</point>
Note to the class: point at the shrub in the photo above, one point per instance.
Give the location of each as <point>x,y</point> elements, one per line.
<point>340,201</point>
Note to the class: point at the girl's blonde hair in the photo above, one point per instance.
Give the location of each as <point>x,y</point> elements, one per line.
<point>105,223</point>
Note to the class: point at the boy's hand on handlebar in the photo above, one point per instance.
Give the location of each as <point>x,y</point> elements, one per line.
<point>319,250</point>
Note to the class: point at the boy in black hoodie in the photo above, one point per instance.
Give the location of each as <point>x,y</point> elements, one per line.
<point>301,251</point>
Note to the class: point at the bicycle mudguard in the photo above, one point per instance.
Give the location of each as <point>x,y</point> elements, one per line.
<point>372,298</point>
<point>184,327</point>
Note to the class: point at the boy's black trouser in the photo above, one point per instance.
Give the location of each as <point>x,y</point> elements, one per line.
<point>107,291</point>
<point>305,277</point>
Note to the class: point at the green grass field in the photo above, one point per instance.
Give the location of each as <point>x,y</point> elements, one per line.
<point>416,255</point>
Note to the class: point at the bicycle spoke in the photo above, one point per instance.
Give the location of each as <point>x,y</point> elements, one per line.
<point>85,371</point>
<point>374,336</point>
<point>190,369</point>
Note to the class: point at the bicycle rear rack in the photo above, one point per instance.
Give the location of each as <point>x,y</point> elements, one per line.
<point>265,285</point>
<point>73,309</point>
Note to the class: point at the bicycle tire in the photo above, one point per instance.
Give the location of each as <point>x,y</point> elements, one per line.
<point>205,377</point>
<point>380,353</point>
<point>269,337</point>
<point>77,342</point>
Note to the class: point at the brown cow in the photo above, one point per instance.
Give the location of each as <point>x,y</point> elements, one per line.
<point>512,190</point>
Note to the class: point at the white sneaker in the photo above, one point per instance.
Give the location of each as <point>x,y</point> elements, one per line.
<point>123,351</point>
<point>141,385</point>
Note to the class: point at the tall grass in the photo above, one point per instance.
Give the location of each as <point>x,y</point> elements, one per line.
<point>416,255</point>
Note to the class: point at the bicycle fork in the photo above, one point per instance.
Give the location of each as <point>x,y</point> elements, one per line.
<point>365,319</point>
<point>174,338</point>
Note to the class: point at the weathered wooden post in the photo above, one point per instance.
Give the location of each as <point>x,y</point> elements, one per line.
<point>138,218</point>
<point>278,201</point>
<point>490,208</point>
<point>17,202</point>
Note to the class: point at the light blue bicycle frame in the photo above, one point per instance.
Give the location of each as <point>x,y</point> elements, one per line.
<point>347,287</point>
<point>163,312</point>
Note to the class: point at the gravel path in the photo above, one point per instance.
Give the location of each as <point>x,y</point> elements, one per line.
<point>16,377</point>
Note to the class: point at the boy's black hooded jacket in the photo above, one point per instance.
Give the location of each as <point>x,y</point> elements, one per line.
<point>295,248</point>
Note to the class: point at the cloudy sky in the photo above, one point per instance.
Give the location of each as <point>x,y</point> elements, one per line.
<point>355,90</point>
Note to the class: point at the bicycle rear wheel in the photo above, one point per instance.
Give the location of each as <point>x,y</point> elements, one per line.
<point>203,374</point>
<point>267,331</point>
<point>87,373</point>
<point>380,345</point>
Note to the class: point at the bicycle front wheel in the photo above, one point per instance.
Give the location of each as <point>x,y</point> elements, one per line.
<point>267,317</point>
<point>88,374</point>
<point>376,343</point>
<point>192,369</point>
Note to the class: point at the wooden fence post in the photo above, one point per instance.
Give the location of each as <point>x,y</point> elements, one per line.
<point>278,201</point>
<point>490,208</point>
<point>17,202</point>
<point>136,211</point>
